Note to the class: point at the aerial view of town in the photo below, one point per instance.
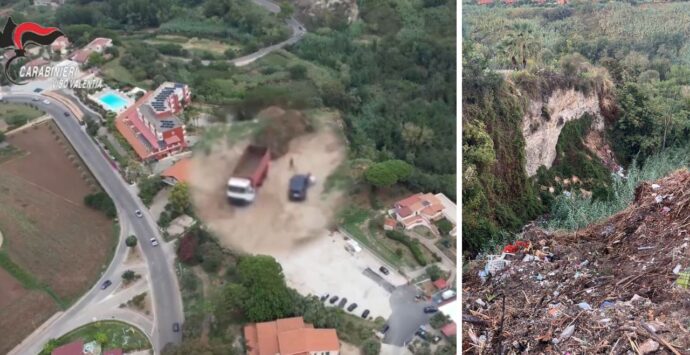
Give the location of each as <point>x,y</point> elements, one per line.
<point>253,177</point>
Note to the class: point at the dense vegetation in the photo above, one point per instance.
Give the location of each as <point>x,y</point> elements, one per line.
<point>638,53</point>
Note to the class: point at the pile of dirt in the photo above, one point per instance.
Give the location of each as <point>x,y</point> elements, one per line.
<point>613,287</point>
<point>279,127</point>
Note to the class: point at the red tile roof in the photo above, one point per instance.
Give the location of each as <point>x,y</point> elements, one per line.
<point>127,132</point>
<point>74,348</point>
<point>289,336</point>
<point>81,55</point>
<point>449,329</point>
<point>390,222</point>
<point>179,171</point>
<point>440,284</point>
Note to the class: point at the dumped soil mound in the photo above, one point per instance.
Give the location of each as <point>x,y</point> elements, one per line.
<point>610,288</point>
<point>279,127</point>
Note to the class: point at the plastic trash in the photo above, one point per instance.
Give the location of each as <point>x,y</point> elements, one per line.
<point>676,269</point>
<point>584,306</point>
<point>607,304</point>
<point>567,333</point>
<point>658,199</point>
<point>528,257</point>
<point>655,187</point>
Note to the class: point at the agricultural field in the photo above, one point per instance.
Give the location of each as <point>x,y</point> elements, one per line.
<point>54,247</point>
<point>194,44</point>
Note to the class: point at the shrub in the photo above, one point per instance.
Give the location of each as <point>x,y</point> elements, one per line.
<point>102,202</point>
<point>411,244</point>
<point>131,241</point>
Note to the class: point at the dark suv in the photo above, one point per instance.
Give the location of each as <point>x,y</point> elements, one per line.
<point>298,187</point>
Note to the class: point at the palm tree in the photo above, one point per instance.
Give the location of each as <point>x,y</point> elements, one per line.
<point>521,42</point>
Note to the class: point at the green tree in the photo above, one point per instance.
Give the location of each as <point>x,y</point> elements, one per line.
<point>434,272</point>
<point>131,241</point>
<point>267,295</point>
<point>149,187</point>
<point>50,346</point>
<point>2,137</point>
<point>388,173</point>
<point>212,257</point>
<point>128,276</point>
<point>371,346</point>
<point>101,338</point>
<point>298,72</point>
<point>179,197</point>
<point>438,320</point>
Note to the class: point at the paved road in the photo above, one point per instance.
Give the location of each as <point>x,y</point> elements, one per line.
<point>298,31</point>
<point>164,286</point>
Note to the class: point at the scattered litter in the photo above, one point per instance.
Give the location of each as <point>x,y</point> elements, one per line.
<point>480,302</point>
<point>607,304</point>
<point>609,281</point>
<point>649,346</point>
<point>584,306</point>
<point>676,269</point>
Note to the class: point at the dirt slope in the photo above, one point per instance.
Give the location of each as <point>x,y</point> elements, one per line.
<point>609,288</point>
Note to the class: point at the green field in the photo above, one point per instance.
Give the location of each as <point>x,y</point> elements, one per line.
<point>115,71</point>
<point>16,115</point>
<point>120,335</point>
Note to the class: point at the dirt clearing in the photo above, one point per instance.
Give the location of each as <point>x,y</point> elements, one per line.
<point>272,223</point>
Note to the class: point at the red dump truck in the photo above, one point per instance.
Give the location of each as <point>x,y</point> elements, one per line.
<point>249,175</point>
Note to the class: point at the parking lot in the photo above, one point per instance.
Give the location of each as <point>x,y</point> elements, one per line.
<point>323,266</point>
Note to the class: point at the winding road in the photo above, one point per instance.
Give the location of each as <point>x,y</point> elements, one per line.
<point>167,302</point>
<point>99,304</point>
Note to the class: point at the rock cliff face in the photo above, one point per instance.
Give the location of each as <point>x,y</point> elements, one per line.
<point>544,120</point>
<point>326,12</point>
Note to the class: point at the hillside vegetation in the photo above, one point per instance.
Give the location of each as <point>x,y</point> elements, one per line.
<point>636,53</point>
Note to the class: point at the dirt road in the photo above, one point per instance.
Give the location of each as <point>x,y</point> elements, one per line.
<point>271,223</point>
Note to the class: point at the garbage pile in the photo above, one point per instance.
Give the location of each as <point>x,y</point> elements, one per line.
<point>617,287</point>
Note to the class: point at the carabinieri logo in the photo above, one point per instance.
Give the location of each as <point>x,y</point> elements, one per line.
<point>19,36</point>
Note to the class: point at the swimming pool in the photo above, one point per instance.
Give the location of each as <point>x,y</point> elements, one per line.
<point>113,101</point>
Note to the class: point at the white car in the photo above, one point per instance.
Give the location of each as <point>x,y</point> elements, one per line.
<point>154,242</point>
<point>138,213</point>
<point>46,102</point>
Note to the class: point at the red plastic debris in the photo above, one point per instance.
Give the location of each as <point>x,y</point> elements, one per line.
<point>520,244</point>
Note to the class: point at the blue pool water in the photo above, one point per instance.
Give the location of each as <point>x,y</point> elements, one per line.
<point>113,101</point>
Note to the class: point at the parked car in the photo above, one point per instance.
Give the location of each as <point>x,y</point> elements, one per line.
<point>38,90</point>
<point>384,270</point>
<point>105,284</point>
<point>351,307</point>
<point>342,303</point>
<point>138,213</point>
<point>298,187</point>
<point>333,299</point>
<point>430,309</point>
<point>435,339</point>
<point>176,327</point>
<point>421,333</point>
<point>66,114</point>
<point>365,314</point>
<point>385,328</point>
<point>46,102</point>
<point>154,242</point>
<point>324,297</point>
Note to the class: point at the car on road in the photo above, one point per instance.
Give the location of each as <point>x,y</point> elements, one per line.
<point>154,242</point>
<point>66,114</point>
<point>421,333</point>
<point>385,328</point>
<point>333,299</point>
<point>46,102</point>
<point>430,309</point>
<point>351,307</point>
<point>365,314</point>
<point>324,297</point>
<point>38,90</point>
<point>176,327</point>
<point>105,284</point>
<point>138,213</point>
<point>384,270</point>
<point>342,303</point>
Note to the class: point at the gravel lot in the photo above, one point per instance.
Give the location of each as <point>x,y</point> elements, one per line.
<point>324,266</point>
